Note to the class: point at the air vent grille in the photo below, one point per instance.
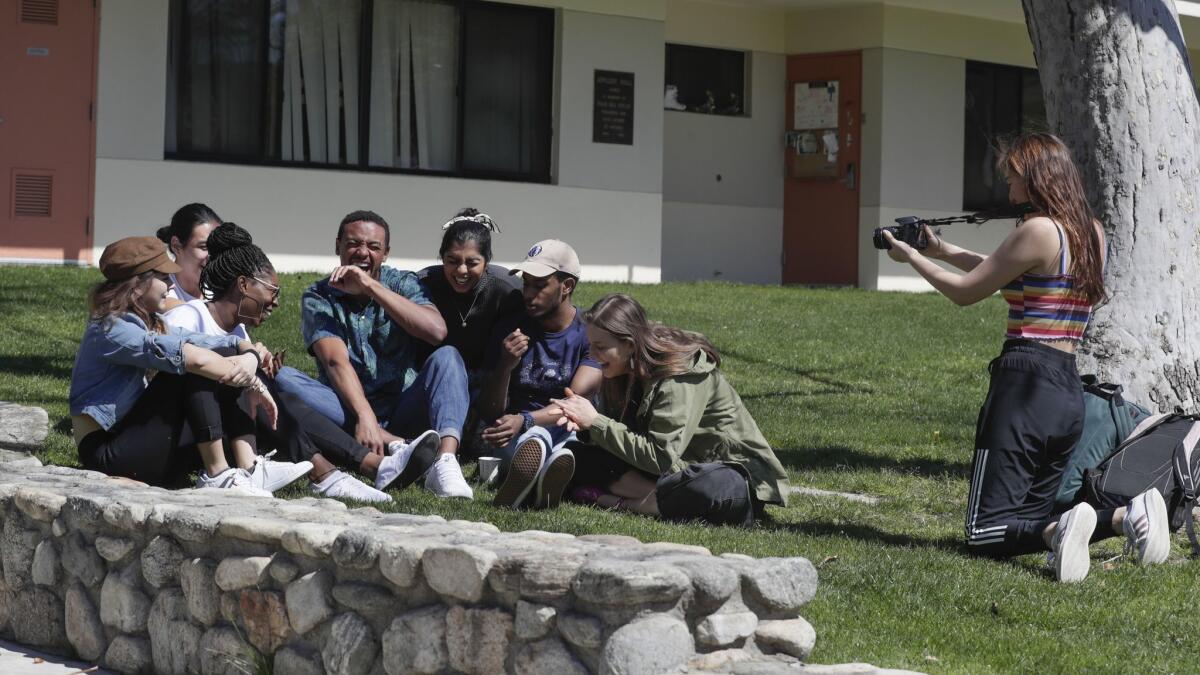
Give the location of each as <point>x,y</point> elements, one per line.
<point>39,11</point>
<point>32,195</point>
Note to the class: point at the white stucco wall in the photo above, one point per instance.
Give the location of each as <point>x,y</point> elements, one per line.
<point>608,204</point>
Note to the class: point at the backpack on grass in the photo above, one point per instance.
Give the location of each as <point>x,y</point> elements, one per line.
<point>1108,419</point>
<point>1160,453</point>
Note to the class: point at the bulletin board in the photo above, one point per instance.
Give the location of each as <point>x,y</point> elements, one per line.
<point>812,142</point>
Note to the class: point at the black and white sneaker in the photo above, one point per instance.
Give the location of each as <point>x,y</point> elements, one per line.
<point>522,473</point>
<point>552,481</point>
<point>408,462</point>
<point>1147,530</point>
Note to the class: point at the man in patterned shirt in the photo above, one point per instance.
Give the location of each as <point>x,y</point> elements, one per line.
<point>362,324</point>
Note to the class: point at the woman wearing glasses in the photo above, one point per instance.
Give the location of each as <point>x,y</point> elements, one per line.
<point>243,290</point>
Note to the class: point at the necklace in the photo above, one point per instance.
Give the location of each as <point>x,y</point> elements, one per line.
<point>463,317</point>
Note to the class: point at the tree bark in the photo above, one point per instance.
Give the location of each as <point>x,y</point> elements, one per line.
<point>1118,90</point>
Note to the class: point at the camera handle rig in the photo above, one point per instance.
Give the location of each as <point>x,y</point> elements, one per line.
<point>911,229</point>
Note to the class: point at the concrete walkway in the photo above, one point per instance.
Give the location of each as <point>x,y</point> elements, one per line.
<point>19,660</point>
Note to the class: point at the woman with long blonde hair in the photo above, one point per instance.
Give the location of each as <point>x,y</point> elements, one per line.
<point>672,437</point>
<point>1050,272</point>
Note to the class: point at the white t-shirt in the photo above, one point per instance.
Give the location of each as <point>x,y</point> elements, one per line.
<point>176,291</point>
<point>194,316</point>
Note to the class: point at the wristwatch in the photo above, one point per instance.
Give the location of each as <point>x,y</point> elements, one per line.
<point>528,423</point>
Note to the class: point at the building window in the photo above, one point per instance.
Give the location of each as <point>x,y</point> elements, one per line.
<point>455,87</point>
<point>1002,102</point>
<point>705,80</point>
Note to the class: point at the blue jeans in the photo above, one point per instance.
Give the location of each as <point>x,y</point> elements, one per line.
<point>553,437</point>
<point>437,399</point>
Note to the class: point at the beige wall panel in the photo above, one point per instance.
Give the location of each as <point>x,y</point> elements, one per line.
<point>729,243</point>
<point>714,24</point>
<point>293,213</point>
<point>590,42</point>
<point>132,79</point>
<point>746,152</point>
<point>835,29</point>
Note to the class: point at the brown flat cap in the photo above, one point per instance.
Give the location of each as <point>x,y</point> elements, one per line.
<point>131,256</point>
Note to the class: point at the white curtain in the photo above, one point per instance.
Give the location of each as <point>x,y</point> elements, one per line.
<point>320,81</point>
<point>414,77</point>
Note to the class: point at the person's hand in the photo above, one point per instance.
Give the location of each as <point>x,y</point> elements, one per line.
<point>936,248</point>
<point>900,251</point>
<point>578,413</point>
<point>351,279</point>
<point>514,347</point>
<point>370,436</point>
<point>262,351</point>
<point>504,430</point>
<point>242,370</point>
<point>274,362</point>
<point>258,398</point>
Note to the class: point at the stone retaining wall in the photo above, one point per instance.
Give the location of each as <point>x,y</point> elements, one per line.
<point>142,579</point>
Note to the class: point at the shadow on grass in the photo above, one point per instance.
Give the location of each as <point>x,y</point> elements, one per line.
<point>864,533</point>
<point>48,366</point>
<point>833,386</point>
<point>841,457</point>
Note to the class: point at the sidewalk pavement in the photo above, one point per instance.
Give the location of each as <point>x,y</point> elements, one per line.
<point>20,660</point>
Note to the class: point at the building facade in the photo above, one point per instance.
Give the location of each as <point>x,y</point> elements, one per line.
<point>753,140</point>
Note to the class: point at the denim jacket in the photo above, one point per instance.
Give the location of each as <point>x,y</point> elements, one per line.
<point>114,356</point>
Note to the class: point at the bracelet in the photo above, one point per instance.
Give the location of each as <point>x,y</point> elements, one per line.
<point>528,423</point>
<point>257,358</point>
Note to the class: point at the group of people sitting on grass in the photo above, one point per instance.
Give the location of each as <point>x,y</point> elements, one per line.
<point>602,406</point>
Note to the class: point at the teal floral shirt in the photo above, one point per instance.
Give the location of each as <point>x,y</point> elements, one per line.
<point>382,353</point>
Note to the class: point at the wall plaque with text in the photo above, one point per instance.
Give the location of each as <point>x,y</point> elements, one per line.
<point>612,113</point>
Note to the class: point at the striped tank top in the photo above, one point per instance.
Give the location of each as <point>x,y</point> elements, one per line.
<point>1046,306</point>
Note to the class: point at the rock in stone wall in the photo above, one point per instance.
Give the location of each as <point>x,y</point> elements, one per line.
<point>142,579</point>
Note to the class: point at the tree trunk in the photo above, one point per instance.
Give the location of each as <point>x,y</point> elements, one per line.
<point>1119,92</point>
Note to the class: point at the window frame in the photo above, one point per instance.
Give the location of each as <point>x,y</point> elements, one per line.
<point>546,71</point>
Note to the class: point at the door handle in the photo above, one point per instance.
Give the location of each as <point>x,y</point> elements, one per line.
<point>849,179</point>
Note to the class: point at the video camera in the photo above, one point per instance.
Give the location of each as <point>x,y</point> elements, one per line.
<point>911,229</point>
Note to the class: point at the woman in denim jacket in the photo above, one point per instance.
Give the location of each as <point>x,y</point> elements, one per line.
<point>152,404</point>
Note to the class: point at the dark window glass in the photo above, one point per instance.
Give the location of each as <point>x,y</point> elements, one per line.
<point>1002,102</point>
<point>706,80</point>
<point>367,84</point>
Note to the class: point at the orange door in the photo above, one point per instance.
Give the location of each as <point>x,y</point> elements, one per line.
<point>820,195</point>
<point>47,133</point>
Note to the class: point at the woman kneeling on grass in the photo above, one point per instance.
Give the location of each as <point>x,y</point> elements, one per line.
<point>674,438</point>
<point>1050,271</point>
<point>152,404</point>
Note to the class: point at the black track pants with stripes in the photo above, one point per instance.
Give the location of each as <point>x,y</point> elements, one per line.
<point>1029,423</point>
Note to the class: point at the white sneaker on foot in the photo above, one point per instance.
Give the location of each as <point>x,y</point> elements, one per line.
<point>271,475</point>
<point>343,485</point>
<point>408,462</point>
<point>553,478</point>
<point>231,479</point>
<point>1070,543</point>
<point>522,474</point>
<point>1147,528</point>
<point>445,478</point>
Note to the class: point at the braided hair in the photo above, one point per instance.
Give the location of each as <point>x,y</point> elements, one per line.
<point>231,254</point>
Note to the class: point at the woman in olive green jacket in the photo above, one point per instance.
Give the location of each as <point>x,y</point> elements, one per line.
<point>665,406</point>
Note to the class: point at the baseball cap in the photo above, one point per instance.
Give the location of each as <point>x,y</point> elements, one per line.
<point>131,256</point>
<point>547,257</point>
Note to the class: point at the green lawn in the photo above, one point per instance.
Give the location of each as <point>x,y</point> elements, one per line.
<point>859,392</point>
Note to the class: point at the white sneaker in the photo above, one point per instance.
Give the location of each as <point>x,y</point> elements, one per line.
<point>231,479</point>
<point>445,478</point>
<point>271,475</point>
<point>522,474</point>
<point>553,478</point>
<point>1147,528</point>
<point>1070,543</point>
<point>343,485</point>
<point>405,463</point>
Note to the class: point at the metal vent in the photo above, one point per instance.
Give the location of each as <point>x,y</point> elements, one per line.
<point>39,11</point>
<point>32,195</point>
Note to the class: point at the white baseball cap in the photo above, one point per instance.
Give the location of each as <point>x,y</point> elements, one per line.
<point>547,257</point>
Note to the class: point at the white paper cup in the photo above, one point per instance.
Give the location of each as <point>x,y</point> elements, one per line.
<point>489,469</point>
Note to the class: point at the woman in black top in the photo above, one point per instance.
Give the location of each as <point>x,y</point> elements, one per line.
<point>470,293</point>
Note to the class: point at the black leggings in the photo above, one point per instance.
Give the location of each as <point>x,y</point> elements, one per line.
<point>301,432</point>
<point>156,441</point>
<point>1027,428</point>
